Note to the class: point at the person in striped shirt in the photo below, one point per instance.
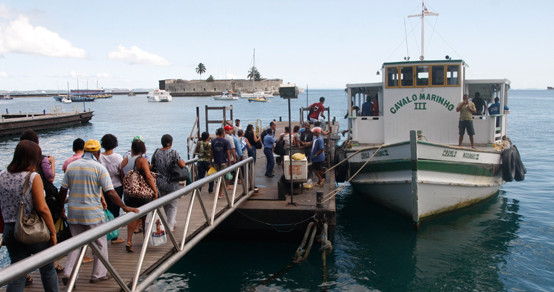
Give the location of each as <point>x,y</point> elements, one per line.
<point>86,178</point>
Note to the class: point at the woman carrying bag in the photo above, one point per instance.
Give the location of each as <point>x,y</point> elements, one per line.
<point>26,158</point>
<point>163,161</point>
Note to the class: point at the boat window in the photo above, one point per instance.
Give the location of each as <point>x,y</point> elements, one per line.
<point>437,75</point>
<point>392,77</point>
<point>422,75</point>
<point>407,76</point>
<point>452,75</point>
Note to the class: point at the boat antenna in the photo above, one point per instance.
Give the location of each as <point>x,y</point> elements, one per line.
<point>424,12</point>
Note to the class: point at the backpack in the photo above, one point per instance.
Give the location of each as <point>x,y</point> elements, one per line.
<point>51,196</point>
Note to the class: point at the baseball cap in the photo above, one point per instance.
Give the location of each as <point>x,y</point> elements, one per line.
<point>228,127</point>
<point>138,137</point>
<point>92,145</point>
<point>316,129</point>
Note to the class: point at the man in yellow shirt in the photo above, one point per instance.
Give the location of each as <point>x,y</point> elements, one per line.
<point>466,109</point>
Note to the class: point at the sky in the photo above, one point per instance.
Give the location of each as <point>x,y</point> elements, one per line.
<point>319,44</point>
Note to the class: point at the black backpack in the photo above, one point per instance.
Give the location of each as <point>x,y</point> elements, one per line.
<point>51,196</point>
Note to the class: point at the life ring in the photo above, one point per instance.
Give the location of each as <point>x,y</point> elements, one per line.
<point>508,164</point>
<point>520,168</point>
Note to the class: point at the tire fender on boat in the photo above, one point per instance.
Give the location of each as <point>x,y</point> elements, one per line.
<point>508,157</point>
<point>520,168</point>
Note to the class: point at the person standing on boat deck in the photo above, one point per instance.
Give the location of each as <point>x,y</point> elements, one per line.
<point>306,138</point>
<point>466,109</point>
<point>87,178</point>
<point>480,104</point>
<point>318,156</point>
<point>79,149</point>
<point>163,161</point>
<point>494,109</point>
<point>221,153</point>
<point>367,107</point>
<point>316,109</point>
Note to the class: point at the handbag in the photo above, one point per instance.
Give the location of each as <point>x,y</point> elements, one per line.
<point>62,229</point>
<point>115,233</point>
<point>30,229</point>
<point>158,236</point>
<point>135,186</point>
<point>179,174</point>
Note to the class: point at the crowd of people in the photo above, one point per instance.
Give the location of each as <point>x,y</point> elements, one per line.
<point>93,182</point>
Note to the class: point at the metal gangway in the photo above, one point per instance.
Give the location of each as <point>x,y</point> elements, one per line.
<point>133,272</point>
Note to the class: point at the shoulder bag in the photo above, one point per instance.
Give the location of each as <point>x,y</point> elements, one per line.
<point>30,229</point>
<point>179,174</point>
<point>135,186</point>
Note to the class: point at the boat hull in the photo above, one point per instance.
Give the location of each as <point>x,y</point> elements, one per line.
<point>420,179</point>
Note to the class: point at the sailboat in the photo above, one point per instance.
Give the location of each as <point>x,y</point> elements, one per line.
<point>254,94</point>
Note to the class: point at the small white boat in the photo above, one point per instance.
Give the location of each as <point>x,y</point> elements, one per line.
<point>256,94</point>
<point>66,99</point>
<point>225,95</point>
<point>258,99</point>
<point>6,97</point>
<point>159,95</point>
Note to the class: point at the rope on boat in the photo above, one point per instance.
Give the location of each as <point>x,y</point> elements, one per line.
<point>279,227</point>
<point>303,251</point>
<point>344,160</point>
<point>333,193</point>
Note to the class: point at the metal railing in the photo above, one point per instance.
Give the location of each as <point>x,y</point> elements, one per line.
<point>86,239</point>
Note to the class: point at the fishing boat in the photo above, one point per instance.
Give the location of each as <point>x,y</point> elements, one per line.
<point>226,95</point>
<point>405,153</point>
<point>258,99</point>
<point>159,95</point>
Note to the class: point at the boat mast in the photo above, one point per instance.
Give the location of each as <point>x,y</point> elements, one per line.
<point>424,12</point>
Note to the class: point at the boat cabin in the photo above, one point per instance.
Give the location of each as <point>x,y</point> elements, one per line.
<point>423,96</point>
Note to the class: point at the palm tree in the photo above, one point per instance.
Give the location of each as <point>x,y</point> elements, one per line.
<point>254,74</point>
<point>200,69</point>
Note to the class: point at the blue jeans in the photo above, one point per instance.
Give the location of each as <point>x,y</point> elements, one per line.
<point>252,152</point>
<point>19,251</point>
<point>270,163</point>
<point>203,167</point>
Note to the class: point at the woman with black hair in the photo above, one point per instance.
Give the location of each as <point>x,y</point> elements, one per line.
<point>163,160</point>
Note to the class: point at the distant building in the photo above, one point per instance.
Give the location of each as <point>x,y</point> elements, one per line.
<point>179,87</point>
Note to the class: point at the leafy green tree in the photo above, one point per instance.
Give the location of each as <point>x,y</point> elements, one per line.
<point>201,69</point>
<point>210,79</point>
<point>254,74</point>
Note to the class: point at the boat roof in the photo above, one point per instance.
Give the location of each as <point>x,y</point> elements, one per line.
<point>425,62</point>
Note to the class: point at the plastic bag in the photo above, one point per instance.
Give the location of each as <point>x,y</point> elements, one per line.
<point>109,217</point>
<point>298,156</point>
<point>158,236</point>
<point>228,176</point>
<point>212,170</point>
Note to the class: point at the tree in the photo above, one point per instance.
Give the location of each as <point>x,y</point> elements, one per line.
<point>254,74</point>
<point>201,69</point>
<point>210,79</point>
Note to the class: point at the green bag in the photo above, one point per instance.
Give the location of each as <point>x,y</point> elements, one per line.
<point>229,176</point>
<point>114,234</point>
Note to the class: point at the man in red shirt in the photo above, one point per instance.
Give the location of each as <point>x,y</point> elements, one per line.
<point>316,109</point>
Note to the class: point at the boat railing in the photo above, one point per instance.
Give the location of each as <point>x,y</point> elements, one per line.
<point>212,218</point>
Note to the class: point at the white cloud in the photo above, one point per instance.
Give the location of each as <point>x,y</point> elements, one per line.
<point>135,55</point>
<point>4,12</point>
<point>3,74</point>
<point>19,36</point>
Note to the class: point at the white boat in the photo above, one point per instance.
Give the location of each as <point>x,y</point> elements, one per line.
<point>225,95</point>
<point>66,99</point>
<point>6,97</point>
<point>405,155</point>
<point>159,95</point>
<point>256,94</point>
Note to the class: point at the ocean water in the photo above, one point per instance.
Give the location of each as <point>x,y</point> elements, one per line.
<point>503,244</point>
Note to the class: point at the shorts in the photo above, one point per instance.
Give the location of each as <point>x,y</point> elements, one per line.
<point>463,125</point>
<point>317,165</point>
<point>136,202</point>
<point>220,166</point>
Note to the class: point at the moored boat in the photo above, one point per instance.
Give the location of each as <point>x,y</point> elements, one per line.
<point>159,95</point>
<point>258,99</point>
<point>403,146</point>
<point>226,95</point>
